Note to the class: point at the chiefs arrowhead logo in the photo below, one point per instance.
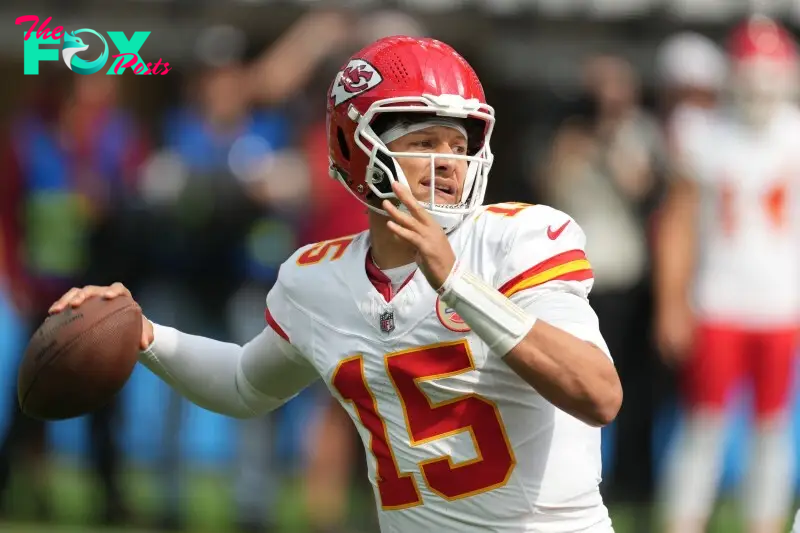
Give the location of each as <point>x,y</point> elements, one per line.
<point>354,79</point>
<point>449,318</point>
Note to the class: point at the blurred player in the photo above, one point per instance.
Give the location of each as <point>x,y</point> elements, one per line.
<point>458,337</point>
<point>729,292</point>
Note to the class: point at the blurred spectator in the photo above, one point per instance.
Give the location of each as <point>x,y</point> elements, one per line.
<point>71,164</point>
<point>211,197</point>
<point>729,281</point>
<point>604,170</point>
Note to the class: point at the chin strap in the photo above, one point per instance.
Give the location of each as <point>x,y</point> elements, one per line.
<point>448,221</point>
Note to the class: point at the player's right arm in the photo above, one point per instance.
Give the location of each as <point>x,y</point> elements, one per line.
<point>238,381</point>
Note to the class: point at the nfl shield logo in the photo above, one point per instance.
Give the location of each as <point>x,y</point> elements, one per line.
<point>387,321</point>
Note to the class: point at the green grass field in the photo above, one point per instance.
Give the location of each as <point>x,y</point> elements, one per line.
<point>208,505</point>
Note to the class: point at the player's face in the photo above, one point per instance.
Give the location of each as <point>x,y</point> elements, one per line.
<point>761,86</point>
<point>450,173</point>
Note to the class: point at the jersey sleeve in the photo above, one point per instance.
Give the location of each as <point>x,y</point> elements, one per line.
<point>543,250</point>
<point>566,311</point>
<point>283,314</point>
<point>545,271</point>
<point>239,381</point>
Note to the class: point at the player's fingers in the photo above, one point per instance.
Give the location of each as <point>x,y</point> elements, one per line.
<point>394,211</point>
<point>403,194</point>
<point>400,217</point>
<point>404,233</point>
<point>86,292</point>
<point>147,334</point>
<point>116,289</point>
<point>62,302</point>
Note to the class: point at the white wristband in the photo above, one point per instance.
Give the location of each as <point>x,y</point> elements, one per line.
<point>498,321</point>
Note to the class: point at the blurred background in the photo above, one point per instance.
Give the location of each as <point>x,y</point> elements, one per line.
<point>193,186</point>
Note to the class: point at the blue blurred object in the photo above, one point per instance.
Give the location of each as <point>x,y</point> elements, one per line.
<point>12,343</point>
<point>187,133</point>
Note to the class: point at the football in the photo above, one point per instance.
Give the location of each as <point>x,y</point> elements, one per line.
<point>79,358</point>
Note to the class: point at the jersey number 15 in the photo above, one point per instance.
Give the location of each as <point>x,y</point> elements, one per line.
<point>426,422</point>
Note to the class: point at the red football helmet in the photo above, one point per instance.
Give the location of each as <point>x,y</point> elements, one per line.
<point>406,75</point>
<point>764,60</point>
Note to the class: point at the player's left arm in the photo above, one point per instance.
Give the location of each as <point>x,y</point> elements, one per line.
<point>540,322</point>
<point>564,357</point>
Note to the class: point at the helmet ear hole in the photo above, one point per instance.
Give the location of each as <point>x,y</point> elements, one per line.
<point>385,184</point>
<point>343,147</point>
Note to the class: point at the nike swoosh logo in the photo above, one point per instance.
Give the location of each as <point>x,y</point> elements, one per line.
<point>553,234</point>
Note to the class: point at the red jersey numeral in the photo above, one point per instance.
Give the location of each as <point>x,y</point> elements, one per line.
<point>774,202</point>
<point>397,491</point>
<point>322,250</point>
<point>426,422</point>
<point>508,209</point>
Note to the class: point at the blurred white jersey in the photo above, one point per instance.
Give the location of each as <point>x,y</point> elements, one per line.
<point>749,247</point>
<point>456,441</point>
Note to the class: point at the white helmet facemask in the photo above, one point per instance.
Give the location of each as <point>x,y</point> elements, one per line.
<point>440,111</point>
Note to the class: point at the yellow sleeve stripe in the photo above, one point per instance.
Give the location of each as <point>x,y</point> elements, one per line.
<point>569,266</point>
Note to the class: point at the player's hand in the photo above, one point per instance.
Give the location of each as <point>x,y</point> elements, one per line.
<point>675,333</point>
<point>435,256</point>
<point>75,297</point>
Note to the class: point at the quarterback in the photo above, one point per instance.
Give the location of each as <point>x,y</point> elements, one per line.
<point>457,336</point>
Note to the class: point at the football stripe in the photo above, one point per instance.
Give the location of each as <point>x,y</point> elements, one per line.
<point>567,266</point>
<point>274,325</point>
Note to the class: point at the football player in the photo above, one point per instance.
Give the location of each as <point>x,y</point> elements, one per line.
<point>729,280</point>
<point>457,336</point>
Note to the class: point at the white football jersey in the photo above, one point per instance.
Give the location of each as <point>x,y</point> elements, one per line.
<point>748,273</point>
<point>456,441</point>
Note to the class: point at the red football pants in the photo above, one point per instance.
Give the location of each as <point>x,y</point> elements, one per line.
<point>723,356</point>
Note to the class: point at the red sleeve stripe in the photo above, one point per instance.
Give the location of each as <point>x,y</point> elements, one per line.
<point>274,325</point>
<point>567,266</point>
